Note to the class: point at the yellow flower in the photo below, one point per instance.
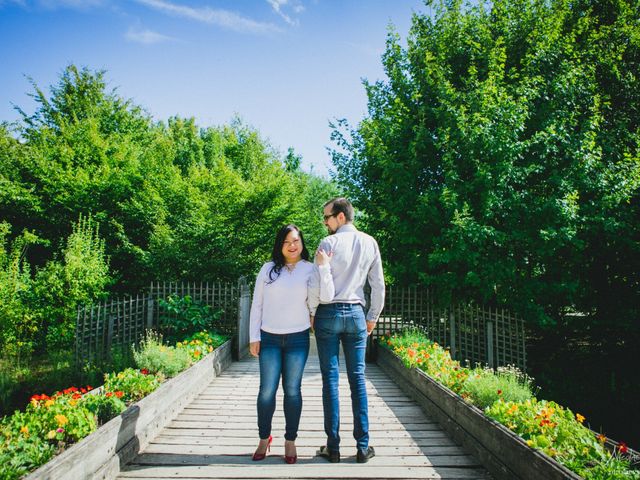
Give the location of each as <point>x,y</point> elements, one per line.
<point>51,434</point>
<point>579,417</point>
<point>48,403</point>
<point>72,403</point>
<point>530,442</point>
<point>24,430</point>
<point>210,348</point>
<point>179,344</point>
<point>62,420</point>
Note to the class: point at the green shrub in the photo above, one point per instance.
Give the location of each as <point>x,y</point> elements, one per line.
<point>154,356</point>
<point>104,407</point>
<point>560,434</point>
<point>183,316</point>
<point>483,386</point>
<point>200,344</point>
<point>134,383</point>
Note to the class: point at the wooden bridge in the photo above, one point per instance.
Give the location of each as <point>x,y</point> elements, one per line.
<point>216,434</point>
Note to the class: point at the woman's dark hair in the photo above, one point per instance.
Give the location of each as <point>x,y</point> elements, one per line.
<point>276,255</point>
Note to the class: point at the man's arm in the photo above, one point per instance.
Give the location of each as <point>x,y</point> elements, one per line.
<point>376,281</point>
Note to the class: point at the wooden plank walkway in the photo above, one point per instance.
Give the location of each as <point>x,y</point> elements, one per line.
<point>216,434</point>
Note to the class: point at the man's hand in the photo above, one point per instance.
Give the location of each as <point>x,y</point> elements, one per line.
<point>370,326</point>
<point>311,319</point>
<point>254,348</point>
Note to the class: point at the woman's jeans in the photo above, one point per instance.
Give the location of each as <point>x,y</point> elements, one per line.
<point>335,323</point>
<point>284,355</point>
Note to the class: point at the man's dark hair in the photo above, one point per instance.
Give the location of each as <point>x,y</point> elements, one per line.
<point>341,204</point>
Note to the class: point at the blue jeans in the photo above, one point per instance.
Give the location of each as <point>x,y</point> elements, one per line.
<point>335,323</point>
<point>286,356</point>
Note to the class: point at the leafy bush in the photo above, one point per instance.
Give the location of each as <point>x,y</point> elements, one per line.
<point>200,344</point>
<point>182,316</point>
<point>154,356</point>
<point>135,384</point>
<point>560,434</point>
<point>18,325</point>
<point>80,278</point>
<point>507,397</point>
<point>28,439</point>
<point>104,406</point>
<point>416,350</point>
<point>483,387</point>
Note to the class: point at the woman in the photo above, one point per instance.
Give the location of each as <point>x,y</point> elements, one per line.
<point>279,335</point>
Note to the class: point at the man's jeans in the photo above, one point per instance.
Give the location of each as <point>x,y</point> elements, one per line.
<point>284,355</point>
<point>335,323</point>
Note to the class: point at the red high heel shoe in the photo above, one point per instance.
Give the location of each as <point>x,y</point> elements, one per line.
<point>291,460</point>
<point>261,456</point>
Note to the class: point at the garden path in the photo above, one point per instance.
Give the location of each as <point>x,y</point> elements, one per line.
<point>216,434</point>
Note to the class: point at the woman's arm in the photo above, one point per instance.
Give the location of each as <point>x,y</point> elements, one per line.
<point>255,315</point>
<point>327,288</point>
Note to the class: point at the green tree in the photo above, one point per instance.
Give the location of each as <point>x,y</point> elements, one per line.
<point>500,160</point>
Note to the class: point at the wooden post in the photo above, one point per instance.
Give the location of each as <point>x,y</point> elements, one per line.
<point>489,331</point>
<point>244,307</point>
<point>452,333</point>
<point>149,324</point>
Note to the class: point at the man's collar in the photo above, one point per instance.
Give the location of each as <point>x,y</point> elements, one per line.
<point>347,227</point>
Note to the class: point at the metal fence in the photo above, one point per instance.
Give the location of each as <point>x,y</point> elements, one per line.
<point>473,333</point>
<point>115,325</point>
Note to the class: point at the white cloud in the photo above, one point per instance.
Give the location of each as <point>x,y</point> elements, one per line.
<point>146,37</point>
<point>222,18</point>
<point>278,6</point>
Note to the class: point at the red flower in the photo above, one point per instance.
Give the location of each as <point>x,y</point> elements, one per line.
<point>109,394</point>
<point>144,371</point>
<point>36,397</point>
<point>83,390</point>
<point>119,394</point>
<point>76,396</point>
<point>499,392</point>
<point>89,387</point>
<point>622,447</point>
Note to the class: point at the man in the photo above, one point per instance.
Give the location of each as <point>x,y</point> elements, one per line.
<point>346,259</point>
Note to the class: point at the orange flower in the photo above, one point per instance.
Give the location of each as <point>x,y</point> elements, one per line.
<point>109,394</point>
<point>119,394</point>
<point>601,438</point>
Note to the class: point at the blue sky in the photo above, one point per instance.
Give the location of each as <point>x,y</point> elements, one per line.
<point>286,67</point>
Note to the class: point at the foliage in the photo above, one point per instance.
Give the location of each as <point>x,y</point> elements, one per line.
<point>507,397</point>
<point>81,278</point>
<point>17,323</point>
<point>416,350</point>
<point>500,159</point>
<point>28,439</point>
<point>183,316</point>
<point>560,434</point>
<point>48,424</point>
<point>135,384</point>
<point>200,344</point>
<point>174,200</point>
<point>154,356</point>
<point>484,387</point>
<point>104,406</point>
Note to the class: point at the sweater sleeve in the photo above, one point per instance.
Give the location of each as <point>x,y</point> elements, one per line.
<point>255,317</point>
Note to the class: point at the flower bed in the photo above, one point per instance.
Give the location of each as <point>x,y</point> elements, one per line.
<point>516,435</point>
<point>50,424</point>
